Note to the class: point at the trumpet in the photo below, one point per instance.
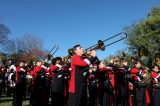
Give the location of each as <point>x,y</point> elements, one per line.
<point>101,46</point>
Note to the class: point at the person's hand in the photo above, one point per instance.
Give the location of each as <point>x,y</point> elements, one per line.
<point>145,75</point>
<point>88,52</point>
<point>93,53</point>
<point>146,69</point>
<point>90,70</point>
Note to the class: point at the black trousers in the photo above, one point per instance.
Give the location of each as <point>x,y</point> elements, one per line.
<point>18,97</point>
<point>124,93</point>
<point>79,98</point>
<point>57,91</point>
<point>39,97</point>
<point>48,93</point>
<point>141,97</point>
<point>92,96</point>
<point>106,99</point>
<point>156,97</point>
<point>57,99</point>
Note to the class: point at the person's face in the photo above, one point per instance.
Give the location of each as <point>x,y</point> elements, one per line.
<point>21,64</point>
<point>155,69</point>
<point>58,62</point>
<point>116,63</point>
<point>124,63</point>
<point>102,65</point>
<point>39,63</point>
<point>138,65</point>
<point>65,60</point>
<point>79,51</point>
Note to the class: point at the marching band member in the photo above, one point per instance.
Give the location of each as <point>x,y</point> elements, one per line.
<point>123,82</point>
<point>66,68</point>
<point>2,78</point>
<point>39,85</point>
<point>93,80</point>
<point>156,85</point>
<point>57,84</point>
<point>106,83</point>
<point>10,77</point>
<point>78,82</point>
<point>20,86</point>
<point>31,80</point>
<point>141,93</point>
<point>45,65</point>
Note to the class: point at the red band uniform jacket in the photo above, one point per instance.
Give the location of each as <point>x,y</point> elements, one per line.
<point>78,67</point>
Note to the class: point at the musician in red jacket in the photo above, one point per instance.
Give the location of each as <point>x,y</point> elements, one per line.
<point>122,81</point>
<point>141,92</point>
<point>106,84</point>
<point>20,87</point>
<point>40,86</point>
<point>93,82</point>
<point>156,85</point>
<point>57,85</point>
<point>78,82</point>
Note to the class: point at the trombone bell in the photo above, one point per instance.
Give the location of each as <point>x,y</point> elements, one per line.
<point>70,52</point>
<point>101,45</point>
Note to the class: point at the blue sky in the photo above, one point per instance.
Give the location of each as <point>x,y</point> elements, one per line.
<point>69,22</point>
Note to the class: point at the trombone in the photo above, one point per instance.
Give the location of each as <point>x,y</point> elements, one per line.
<point>70,53</point>
<point>101,44</point>
<point>98,46</point>
<point>49,56</point>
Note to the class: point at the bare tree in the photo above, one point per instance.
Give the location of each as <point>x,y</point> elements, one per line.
<point>4,31</point>
<point>30,47</point>
<point>10,46</point>
<point>27,47</point>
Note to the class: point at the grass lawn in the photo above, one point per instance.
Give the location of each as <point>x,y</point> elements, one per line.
<point>7,101</point>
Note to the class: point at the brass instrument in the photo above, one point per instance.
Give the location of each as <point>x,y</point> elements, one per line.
<point>70,54</point>
<point>100,45</point>
<point>57,47</point>
<point>49,56</point>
